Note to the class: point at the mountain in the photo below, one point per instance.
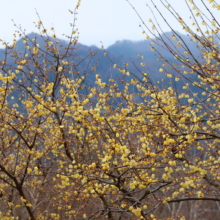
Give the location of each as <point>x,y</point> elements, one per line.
<point>121,52</point>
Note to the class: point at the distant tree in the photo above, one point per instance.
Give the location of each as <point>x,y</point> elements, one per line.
<point>130,148</point>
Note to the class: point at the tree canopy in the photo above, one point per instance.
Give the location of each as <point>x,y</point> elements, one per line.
<point>126,148</point>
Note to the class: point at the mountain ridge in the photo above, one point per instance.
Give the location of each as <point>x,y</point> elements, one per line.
<point>123,51</point>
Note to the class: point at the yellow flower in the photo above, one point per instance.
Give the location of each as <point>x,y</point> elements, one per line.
<point>178,43</point>
<point>132,186</point>
<point>172,163</point>
<point>200,194</point>
<point>44,31</point>
<point>137,212</point>
<point>131,208</point>
<point>123,205</point>
<point>60,68</point>
<point>23,61</point>
<point>190,100</point>
<point>35,50</point>
<point>10,204</point>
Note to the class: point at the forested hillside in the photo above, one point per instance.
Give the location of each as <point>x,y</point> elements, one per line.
<point>121,52</point>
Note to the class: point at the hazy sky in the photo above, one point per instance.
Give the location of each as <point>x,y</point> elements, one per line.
<point>97,20</point>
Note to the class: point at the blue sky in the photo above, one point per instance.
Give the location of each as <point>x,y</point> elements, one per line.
<point>97,20</point>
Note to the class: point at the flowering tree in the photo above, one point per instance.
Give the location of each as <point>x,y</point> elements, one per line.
<point>74,151</point>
